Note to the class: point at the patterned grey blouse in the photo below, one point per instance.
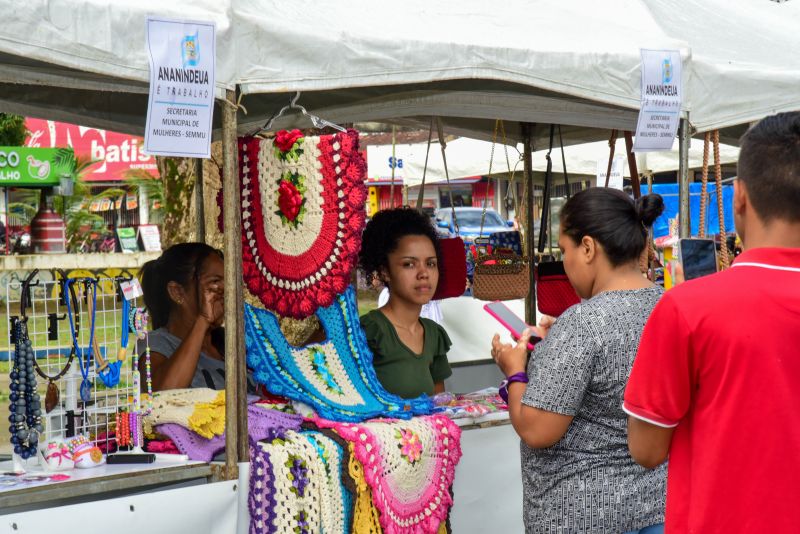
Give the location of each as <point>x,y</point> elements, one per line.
<point>588,482</point>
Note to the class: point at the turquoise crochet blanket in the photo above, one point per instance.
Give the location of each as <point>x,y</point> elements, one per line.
<point>334,377</point>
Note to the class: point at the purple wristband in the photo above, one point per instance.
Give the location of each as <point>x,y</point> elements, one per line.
<point>516,377</point>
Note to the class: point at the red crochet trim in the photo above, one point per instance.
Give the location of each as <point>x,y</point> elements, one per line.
<point>297,285</point>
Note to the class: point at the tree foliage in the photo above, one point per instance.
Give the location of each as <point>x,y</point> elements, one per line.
<point>12,130</point>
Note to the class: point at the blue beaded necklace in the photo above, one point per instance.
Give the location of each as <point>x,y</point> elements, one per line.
<point>84,356</point>
<point>25,407</point>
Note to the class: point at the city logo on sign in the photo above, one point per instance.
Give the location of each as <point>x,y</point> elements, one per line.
<point>190,50</point>
<point>666,71</point>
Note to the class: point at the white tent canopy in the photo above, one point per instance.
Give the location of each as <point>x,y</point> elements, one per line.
<point>470,157</point>
<point>540,61</point>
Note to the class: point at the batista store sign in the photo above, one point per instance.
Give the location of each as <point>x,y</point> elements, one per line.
<point>34,167</point>
<point>114,154</point>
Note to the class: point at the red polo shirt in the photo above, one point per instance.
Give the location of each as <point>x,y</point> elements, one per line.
<point>719,360</point>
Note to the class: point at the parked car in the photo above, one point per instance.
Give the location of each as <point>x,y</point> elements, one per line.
<point>469,222</point>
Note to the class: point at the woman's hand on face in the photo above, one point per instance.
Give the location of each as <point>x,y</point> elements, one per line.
<point>212,307</point>
<point>511,359</point>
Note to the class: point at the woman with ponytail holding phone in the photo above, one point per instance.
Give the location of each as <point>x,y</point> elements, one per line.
<point>183,292</point>
<point>565,402</point>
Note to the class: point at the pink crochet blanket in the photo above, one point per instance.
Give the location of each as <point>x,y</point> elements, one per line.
<point>409,465</point>
<point>261,424</point>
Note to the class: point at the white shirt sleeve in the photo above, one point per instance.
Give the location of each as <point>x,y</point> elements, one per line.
<point>383,298</point>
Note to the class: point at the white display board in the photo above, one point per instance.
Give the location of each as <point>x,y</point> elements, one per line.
<point>471,329</point>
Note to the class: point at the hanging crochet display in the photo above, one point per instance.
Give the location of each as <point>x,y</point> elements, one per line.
<point>335,377</point>
<point>409,466</point>
<point>297,484</point>
<point>303,210</point>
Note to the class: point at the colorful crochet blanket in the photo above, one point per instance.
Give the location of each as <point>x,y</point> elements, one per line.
<point>298,485</point>
<point>303,210</point>
<point>409,466</point>
<point>336,377</point>
<point>261,424</point>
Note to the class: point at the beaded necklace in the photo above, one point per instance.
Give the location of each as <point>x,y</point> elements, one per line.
<point>25,407</point>
<point>25,415</point>
<point>84,356</point>
<point>139,325</point>
<point>51,398</point>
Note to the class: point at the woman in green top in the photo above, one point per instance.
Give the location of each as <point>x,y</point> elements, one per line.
<point>400,248</point>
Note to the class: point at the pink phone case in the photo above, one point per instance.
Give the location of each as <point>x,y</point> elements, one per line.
<point>508,326</point>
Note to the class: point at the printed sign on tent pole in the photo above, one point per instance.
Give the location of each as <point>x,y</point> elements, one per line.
<point>661,100</point>
<point>616,181</point>
<point>181,101</point>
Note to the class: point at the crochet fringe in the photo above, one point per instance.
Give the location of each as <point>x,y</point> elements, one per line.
<point>296,260</point>
<point>296,486</point>
<point>409,467</point>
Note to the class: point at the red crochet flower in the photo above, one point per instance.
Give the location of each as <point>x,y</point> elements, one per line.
<point>289,200</point>
<point>285,140</point>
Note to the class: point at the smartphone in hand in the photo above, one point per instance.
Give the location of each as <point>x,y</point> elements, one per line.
<point>510,320</point>
<point>698,257</point>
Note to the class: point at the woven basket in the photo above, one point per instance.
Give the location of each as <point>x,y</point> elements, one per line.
<point>501,277</point>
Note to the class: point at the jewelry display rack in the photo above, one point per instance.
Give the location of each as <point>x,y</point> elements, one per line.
<point>53,341</point>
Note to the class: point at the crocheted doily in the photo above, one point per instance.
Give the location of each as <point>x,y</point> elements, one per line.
<point>303,210</point>
<point>409,466</point>
<point>336,377</point>
<point>296,485</point>
<point>261,423</point>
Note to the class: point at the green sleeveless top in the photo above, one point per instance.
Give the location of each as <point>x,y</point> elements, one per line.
<point>400,370</point>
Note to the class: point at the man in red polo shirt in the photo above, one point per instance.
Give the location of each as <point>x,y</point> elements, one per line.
<point>716,381</point>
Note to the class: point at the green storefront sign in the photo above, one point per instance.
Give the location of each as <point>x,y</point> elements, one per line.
<point>34,167</point>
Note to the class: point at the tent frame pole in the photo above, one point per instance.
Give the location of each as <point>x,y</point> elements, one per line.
<point>199,201</point>
<point>235,377</point>
<point>684,140</point>
<point>530,246</point>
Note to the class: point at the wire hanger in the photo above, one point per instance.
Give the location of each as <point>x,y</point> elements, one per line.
<point>293,105</point>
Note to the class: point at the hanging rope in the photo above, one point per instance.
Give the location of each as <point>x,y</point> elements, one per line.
<point>443,145</point>
<point>652,254</point>
<point>421,195</point>
<point>723,236</point>
<point>612,145</point>
<point>704,187</point>
<point>564,163</point>
<point>489,176</point>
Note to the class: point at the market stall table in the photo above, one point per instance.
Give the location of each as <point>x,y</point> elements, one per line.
<point>96,483</point>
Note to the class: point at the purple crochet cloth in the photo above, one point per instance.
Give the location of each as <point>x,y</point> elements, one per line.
<point>261,424</point>
<point>261,498</point>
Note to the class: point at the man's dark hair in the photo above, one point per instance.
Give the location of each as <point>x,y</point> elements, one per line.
<point>769,167</point>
